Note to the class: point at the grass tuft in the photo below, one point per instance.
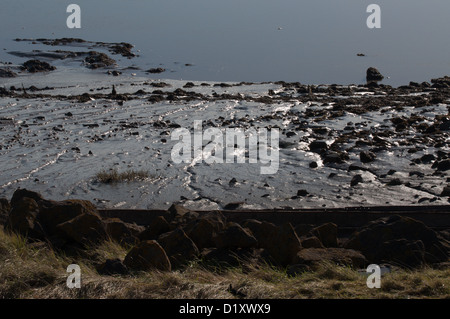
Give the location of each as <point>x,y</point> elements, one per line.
<point>113,176</point>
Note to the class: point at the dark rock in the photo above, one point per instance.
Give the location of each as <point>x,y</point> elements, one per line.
<point>156,70</point>
<point>445,191</point>
<point>34,66</point>
<point>147,255</point>
<point>84,229</point>
<point>234,236</point>
<point>121,232</point>
<point>23,219</point>
<point>313,165</point>
<point>21,193</point>
<point>178,246</point>
<point>282,244</point>
<point>367,156</point>
<point>318,146</point>
<point>311,242</point>
<point>203,231</point>
<point>373,74</point>
<point>302,192</point>
<point>443,165</point>
<point>356,180</point>
<point>6,73</point>
<point>180,215</point>
<point>112,267</point>
<point>5,208</point>
<point>96,60</point>
<point>327,233</point>
<point>373,240</point>
<point>158,226</point>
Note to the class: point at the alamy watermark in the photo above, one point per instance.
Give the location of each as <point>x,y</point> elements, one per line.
<point>74,279</point>
<point>234,141</point>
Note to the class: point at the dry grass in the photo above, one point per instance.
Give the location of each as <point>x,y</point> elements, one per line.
<point>113,176</point>
<point>35,271</point>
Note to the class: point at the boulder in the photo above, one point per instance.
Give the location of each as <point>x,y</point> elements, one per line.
<point>53,213</point>
<point>205,229</point>
<point>373,75</point>
<point>147,255</point>
<point>327,234</point>
<point>180,215</point>
<point>5,208</point>
<point>20,193</point>
<point>235,236</point>
<point>23,218</point>
<point>112,267</point>
<point>179,247</point>
<point>121,232</point>
<point>7,73</point>
<point>311,242</point>
<point>282,244</point>
<point>318,146</point>
<point>367,156</point>
<point>311,257</point>
<point>376,239</point>
<point>260,229</point>
<point>158,226</point>
<point>85,229</point>
<point>34,66</point>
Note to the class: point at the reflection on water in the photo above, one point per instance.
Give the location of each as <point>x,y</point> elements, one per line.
<point>253,40</point>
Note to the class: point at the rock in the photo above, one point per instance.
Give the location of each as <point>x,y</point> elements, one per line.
<point>205,229</point>
<point>20,193</point>
<point>311,257</point>
<point>85,229</point>
<point>327,234</point>
<point>180,215</point>
<point>112,267</point>
<point>445,191</point>
<point>147,255</point>
<point>311,242</point>
<point>356,180</point>
<point>372,74</point>
<point>313,164</point>
<point>332,157</point>
<point>5,208</point>
<point>179,247</point>
<point>157,227</point>
<point>234,236</point>
<point>96,60</point>
<point>34,66</point>
<point>302,192</point>
<point>53,213</point>
<point>318,146</point>
<point>373,240</point>
<point>6,73</point>
<point>283,244</point>
<point>367,156</point>
<point>23,219</point>
<point>404,252</point>
<point>443,165</point>
<point>260,229</point>
<point>121,232</point>
<point>156,70</point>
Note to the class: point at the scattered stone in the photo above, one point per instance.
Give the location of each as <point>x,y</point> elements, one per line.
<point>156,70</point>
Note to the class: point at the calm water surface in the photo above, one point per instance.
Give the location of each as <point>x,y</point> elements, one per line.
<point>252,40</point>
